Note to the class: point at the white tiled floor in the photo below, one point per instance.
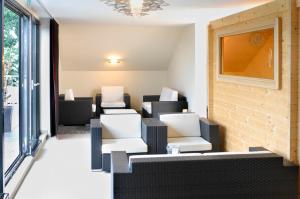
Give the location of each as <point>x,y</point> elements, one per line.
<point>63,172</point>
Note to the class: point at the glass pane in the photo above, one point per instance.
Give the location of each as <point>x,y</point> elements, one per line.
<point>35,88</point>
<point>11,87</point>
<point>249,54</point>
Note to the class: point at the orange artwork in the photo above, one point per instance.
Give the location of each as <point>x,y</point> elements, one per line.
<point>248,54</point>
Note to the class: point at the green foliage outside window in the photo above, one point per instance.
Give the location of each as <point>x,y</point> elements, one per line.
<point>11,48</point>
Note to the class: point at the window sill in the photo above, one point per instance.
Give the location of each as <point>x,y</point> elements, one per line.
<point>14,184</point>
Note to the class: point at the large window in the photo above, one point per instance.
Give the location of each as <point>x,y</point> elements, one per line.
<point>11,87</point>
<point>20,86</point>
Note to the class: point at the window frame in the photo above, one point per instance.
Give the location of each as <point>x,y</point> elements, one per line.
<point>244,28</point>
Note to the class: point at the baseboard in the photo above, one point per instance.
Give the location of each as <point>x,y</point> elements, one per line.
<point>16,181</point>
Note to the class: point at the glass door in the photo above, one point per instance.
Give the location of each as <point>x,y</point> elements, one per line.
<point>35,86</point>
<point>11,88</point>
<point>20,86</point>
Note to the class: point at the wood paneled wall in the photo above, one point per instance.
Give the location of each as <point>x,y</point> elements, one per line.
<point>255,116</point>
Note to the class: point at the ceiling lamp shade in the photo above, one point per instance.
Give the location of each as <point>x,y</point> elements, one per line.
<point>136,7</point>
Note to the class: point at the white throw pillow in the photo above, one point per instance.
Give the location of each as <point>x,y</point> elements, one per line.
<point>112,93</point>
<point>168,94</point>
<point>182,124</point>
<point>69,95</point>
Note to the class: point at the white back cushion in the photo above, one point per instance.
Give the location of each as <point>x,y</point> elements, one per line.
<point>168,94</point>
<point>182,124</point>
<point>121,126</point>
<point>112,93</point>
<point>69,95</point>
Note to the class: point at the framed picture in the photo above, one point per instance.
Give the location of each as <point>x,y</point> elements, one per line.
<point>250,55</point>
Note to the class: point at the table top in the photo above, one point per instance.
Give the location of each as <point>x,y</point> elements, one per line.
<point>119,111</point>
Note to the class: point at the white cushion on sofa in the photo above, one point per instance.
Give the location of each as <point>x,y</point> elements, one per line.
<point>113,104</point>
<point>158,156</point>
<point>182,124</point>
<point>237,153</point>
<point>189,144</point>
<point>112,93</point>
<point>130,145</point>
<point>147,106</point>
<point>168,94</point>
<point>121,126</point>
<point>69,95</point>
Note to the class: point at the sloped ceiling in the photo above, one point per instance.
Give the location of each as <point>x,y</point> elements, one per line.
<point>90,31</point>
<point>86,47</point>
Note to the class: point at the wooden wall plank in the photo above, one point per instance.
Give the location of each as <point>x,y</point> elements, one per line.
<point>254,116</point>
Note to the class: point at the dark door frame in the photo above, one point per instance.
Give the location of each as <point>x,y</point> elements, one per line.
<point>2,183</point>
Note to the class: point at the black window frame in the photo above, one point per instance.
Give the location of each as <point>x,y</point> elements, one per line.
<point>26,56</point>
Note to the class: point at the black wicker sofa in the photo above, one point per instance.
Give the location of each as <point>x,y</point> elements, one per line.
<point>192,176</point>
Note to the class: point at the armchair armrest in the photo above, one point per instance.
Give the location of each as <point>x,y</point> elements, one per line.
<point>127,100</point>
<point>154,134</point>
<point>151,98</point>
<point>98,104</point>
<point>167,107</point>
<point>83,98</point>
<point>253,149</point>
<point>210,132</point>
<point>96,144</point>
<point>119,162</point>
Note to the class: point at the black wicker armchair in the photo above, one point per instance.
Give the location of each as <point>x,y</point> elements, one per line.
<point>152,105</point>
<point>99,109</point>
<point>188,133</point>
<point>121,132</point>
<point>77,112</point>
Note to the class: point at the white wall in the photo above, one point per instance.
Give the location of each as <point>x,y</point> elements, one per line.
<point>145,52</point>
<point>188,71</point>
<point>45,75</point>
<point>87,46</point>
<point>181,75</point>
<point>137,83</point>
<point>201,70</point>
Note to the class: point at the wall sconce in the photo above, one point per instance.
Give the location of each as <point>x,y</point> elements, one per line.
<point>113,60</point>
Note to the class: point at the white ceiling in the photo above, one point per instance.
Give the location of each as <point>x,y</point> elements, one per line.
<point>179,11</point>
<point>90,31</point>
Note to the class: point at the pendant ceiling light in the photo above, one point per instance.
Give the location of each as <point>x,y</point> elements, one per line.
<point>136,7</point>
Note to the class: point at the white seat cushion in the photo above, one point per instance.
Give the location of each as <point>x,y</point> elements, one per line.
<point>182,124</point>
<point>147,107</point>
<point>119,111</point>
<point>168,94</point>
<point>112,93</point>
<point>130,145</point>
<point>113,104</point>
<point>121,126</point>
<point>189,144</point>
